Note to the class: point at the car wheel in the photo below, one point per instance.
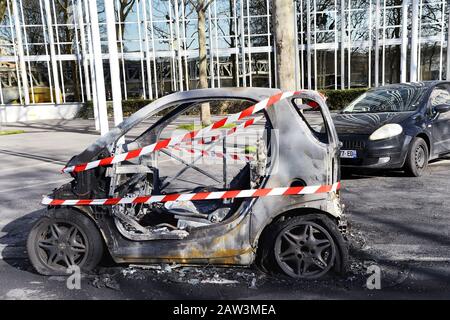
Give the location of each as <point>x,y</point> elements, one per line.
<point>68,239</point>
<point>417,157</point>
<point>303,247</point>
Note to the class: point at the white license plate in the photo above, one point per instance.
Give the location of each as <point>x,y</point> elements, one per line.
<point>348,154</point>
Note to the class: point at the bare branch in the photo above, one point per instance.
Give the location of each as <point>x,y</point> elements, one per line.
<point>196,6</point>
<point>207,4</point>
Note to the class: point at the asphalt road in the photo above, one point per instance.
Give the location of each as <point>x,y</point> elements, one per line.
<point>398,223</point>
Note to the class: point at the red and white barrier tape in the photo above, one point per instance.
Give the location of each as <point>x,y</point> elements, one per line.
<point>186,137</point>
<point>214,154</point>
<point>250,193</point>
<point>208,140</point>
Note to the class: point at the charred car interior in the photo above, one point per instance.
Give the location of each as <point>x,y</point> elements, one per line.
<point>294,144</point>
<point>183,170</point>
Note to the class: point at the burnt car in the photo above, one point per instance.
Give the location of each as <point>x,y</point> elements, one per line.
<point>301,235</point>
<point>400,126</point>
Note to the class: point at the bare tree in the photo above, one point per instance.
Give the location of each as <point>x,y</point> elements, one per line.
<point>284,30</point>
<point>124,9</point>
<point>3,7</point>
<point>200,7</point>
<point>161,11</point>
<point>64,13</point>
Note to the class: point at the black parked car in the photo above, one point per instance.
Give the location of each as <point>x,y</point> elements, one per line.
<point>396,126</point>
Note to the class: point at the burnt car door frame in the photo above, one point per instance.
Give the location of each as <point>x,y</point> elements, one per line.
<point>156,129</point>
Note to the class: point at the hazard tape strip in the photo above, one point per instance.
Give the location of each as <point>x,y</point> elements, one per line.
<point>263,104</point>
<point>208,140</point>
<point>214,154</point>
<point>250,193</point>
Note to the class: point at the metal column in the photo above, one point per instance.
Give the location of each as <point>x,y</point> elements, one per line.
<point>114,62</point>
<point>297,58</point>
<point>23,70</point>
<point>48,16</point>
<point>442,40</point>
<point>84,50</point>
<point>414,40</point>
<point>369,49</point>
<point>99,81</point>
<point>404,49</point>
<point>448,48</point>
<point>147,51</point>
<point>179,60</point>
<point>349,49</point>
<point>377,43</point>
<point>308,42</point>
<point>342,44</point>
<point>242,35</point>
<point>383,56</point>
<point>91,64</point>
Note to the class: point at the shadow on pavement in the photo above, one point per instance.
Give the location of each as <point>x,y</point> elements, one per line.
<point>356,174</point>
<point>58,126</point>
<point>14,240</point>
<point>407,279</point>
<point>32,156</point>
<point>364,173</point>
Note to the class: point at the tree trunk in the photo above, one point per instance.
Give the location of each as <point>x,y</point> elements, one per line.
<point>283,13</point>
<point>3,7</point>
<point>205,115</point>
<point>74,64</point>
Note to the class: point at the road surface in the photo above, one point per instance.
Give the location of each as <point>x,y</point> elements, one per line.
<point>399,224</point>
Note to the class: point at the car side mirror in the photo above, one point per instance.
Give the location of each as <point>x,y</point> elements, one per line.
<point>441,108</point>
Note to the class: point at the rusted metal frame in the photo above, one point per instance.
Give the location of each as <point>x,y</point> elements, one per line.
<point>188,165</point>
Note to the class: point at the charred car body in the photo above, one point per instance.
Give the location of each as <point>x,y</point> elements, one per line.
<point>299,235</point>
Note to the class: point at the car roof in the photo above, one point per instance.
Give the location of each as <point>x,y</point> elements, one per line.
<point>412,85</point>
<point>252,93</point>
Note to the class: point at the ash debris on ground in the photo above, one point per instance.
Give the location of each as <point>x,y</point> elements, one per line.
<point>194,275</point>
<point>251,278</point>
<point>106,281</point>
<point>112,277</point>
<point>362,256</point>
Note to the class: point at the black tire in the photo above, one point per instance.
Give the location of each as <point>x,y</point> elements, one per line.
<point>268,255</point>
<point>417,158</point>
<point>66,238</point>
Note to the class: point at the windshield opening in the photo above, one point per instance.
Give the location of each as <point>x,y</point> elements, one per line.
<point>386,100</point>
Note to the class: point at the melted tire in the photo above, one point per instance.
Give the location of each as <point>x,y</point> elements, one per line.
<point>86,235</point>
<point>266,259</point>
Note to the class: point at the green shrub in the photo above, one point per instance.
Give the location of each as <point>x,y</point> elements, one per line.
<point>131,106</point>
<point>250,149</point>
<point>128,107</point>
<point>338,99</point>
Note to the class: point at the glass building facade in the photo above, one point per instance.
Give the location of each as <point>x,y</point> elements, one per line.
<point>46,46</point>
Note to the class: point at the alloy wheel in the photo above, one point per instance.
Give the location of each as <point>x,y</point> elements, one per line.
<point>61,245</point>
<point>305,250</point>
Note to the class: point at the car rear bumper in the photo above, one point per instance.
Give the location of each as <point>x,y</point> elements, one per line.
<point>382,154</point>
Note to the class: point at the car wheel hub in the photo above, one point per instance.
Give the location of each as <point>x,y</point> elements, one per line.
<point>305,250</point>
<point>420,157</point>
<point>61,245</point>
